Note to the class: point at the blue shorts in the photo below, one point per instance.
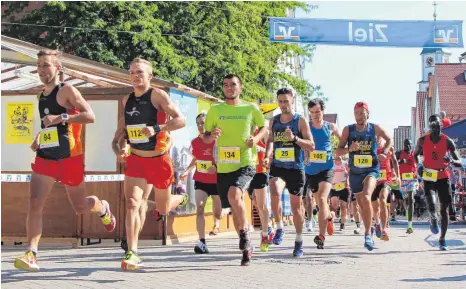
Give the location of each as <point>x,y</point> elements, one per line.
<point>408,186</point>
<point>357,180</point>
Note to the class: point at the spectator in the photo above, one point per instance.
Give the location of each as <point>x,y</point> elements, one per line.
<point>445,121</point>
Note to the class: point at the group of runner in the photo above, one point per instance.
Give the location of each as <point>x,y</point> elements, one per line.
<point>236,151</point>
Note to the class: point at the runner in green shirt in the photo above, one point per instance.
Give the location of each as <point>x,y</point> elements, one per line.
<point>232,124</point>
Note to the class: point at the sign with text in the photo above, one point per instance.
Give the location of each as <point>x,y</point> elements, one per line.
<point>386,33</point>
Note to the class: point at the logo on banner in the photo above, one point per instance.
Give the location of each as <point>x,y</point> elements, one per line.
<point>446,34</point>
<point>286,31</point>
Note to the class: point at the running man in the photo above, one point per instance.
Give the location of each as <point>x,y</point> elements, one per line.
<point>232,125</point>
<point>382,190</point>
<point>339,194</point>
<point>59,155</point>
<point>408,171</point>
<point>364,162</point>
<point>319,171</point>
<point>290,134</point>
<point>205,183</point>
<point>149,161</point>
<point>435,147</point>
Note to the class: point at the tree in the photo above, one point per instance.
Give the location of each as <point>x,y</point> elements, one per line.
<point>194,43</point>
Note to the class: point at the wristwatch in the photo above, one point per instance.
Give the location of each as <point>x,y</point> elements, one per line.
<point>157,128</point>
<point>295,139</point>
<point>64,117</point>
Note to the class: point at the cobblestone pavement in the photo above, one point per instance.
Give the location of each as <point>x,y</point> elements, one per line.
<point>406,261</point>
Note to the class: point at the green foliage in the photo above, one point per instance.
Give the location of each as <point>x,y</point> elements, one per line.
<point>217,38</point>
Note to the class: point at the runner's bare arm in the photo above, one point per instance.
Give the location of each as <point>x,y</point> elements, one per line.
<point>454,153</point>
<point>119,135</point>
<point>418,150</point>
<point>379,131</point>
<point>395,162</point>
<point>335,130</point>
<point>161,100</point>
<point>307,142</point>
<point>342,150</point>
<point>76,100</point>
<point>269,143</point>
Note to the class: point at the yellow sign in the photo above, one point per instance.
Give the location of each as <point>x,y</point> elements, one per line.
<point>203,166</point>
<point>430,175</point>
<point>363,161</point>
<point>339,187</point>
<point>285,154</point>
<point>229,155</point>
<point>19,126</point>
<point>135,135</point>
<point>318,157</point>
<point>407,176</point>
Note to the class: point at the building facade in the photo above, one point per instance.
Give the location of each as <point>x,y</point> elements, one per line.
<point>399,135</point>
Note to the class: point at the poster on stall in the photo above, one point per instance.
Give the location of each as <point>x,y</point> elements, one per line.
<point>19,122</point>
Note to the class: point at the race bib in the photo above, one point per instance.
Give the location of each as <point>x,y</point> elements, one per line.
<point>49,138</point>
<point>285,154</point>
<point>229,155</point>
<point>135,135</point>
<point>203,166</point>
<point>407,176</point>
<point>339,187</point>
<point>363,161</point>
<point>318,157</point>
<point>430,175</point>
<point>383,175</point>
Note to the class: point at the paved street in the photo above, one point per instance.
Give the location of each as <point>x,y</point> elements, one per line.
<point>412,261</point>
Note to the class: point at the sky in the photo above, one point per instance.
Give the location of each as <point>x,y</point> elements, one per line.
<point>386,78</point>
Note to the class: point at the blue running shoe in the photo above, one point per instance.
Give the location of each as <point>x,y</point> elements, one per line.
<point>369,242</point>
<point>442,245</point>
<point>278,238</point>
<point>298,249</point>
<point>434,227</point>
<point>378,231</point>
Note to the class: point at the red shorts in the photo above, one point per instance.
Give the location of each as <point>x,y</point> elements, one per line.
<point>156,170</point>
<point>69,171</point>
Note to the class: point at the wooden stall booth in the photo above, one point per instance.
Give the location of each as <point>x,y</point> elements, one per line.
<point>102,86</point>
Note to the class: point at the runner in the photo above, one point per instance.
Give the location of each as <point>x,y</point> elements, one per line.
<point>339,194</point>
<point>59,155</point>
<point>409,182</point>
<point>149,161</point>
<point>435,146</point>
<point>319,171</point>
<point>364,162</point>
<point>289,134</point>
<point>310,209</point>
<point>356,212</point>
<point>205,183</point>
<point>258,193</point>
<point>382,191</point>
<point>398,197</point>
<point>231,123</point>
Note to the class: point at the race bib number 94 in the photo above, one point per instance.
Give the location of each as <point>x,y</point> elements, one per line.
<point>49,138</point>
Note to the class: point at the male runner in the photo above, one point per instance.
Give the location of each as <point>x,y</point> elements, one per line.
<point>382,190</point>
<point>205,183</point>
<point>258,192</point>
<point>339,194</point>
<point>148,163</point>
<point>289,133</point>
<point>231,123</point>
<point>319,170</point>
<point>363,162</point>
<point>59,155</point>
<point>409,182</point>
<point>435,146</point>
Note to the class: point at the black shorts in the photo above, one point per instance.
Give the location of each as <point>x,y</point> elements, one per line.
<point>294,179</point>
<point>342,194</point>
<point>397,194</point>
<point>312,181</point>
<point>378,188</point>
<point>353,197</point>
<point>239,178</point>
<point>442,187</point>
<point>210,189</point>
<point>259,181</point>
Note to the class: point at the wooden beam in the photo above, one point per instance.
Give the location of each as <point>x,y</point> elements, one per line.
<point>86,78</point>
<point>13,68</point>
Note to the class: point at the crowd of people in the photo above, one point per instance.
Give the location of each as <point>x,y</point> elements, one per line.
<point>236,151</point>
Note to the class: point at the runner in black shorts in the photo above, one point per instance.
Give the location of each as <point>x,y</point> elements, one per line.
<point>339,194</point>
<point>289,133</point>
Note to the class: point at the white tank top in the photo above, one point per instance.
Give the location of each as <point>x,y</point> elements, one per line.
<point>340,173</point>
